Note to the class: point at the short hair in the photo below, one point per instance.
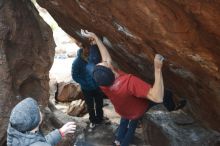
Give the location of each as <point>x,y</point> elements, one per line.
<point>103,75</point>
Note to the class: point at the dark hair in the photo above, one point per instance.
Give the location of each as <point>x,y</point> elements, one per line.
<point>103,75</point>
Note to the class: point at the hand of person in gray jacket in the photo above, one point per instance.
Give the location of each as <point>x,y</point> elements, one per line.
<point>69,127</point>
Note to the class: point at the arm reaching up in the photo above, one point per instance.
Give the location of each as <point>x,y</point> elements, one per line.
<point>103,50</point>
<point>156,93</point>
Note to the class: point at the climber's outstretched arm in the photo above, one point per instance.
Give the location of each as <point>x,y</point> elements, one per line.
<point>156,93</point>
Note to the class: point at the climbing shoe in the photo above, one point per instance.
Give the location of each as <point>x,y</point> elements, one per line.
<point>116,143</point>
<point>180,104</point>
<point>91,127</point>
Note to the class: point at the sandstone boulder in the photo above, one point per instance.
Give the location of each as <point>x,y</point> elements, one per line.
<point>77,108</point>
<point>26,55</point>
<point>185,32</point>
<point>68,92</point>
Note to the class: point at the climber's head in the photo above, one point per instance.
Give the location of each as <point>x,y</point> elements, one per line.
<point>104,74</point>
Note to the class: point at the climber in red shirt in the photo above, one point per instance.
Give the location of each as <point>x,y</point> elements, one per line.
<point>129,94</point>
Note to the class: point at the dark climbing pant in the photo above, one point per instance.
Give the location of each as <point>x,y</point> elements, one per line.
<point>94,102</point>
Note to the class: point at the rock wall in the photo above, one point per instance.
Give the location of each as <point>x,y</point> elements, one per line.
<point>184,31</point>
<point>26,55</point>
<point>177,128</point>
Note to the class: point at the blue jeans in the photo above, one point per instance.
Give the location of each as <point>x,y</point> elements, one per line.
<point>126,131</point>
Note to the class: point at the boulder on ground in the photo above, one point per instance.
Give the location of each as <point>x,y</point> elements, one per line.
<point>68,92</point>
<point>77,108</point>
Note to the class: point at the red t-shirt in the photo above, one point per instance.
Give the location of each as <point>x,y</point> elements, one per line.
<point>128,95</point>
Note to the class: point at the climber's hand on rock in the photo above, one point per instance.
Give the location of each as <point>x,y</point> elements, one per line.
<point>158,61</point>
<point>69,127</point>
<point>89,35</point>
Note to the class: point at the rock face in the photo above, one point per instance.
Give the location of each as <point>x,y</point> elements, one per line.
<point>26,55</point>
<point>68,92</point>
<point>77,108</point>
<point>176,129</point>
<point>184,31</point>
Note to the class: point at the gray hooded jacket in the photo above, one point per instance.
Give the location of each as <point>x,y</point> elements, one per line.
<point>16,138</point>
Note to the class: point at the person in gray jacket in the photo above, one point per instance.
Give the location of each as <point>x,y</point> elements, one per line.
<point>23,127</point>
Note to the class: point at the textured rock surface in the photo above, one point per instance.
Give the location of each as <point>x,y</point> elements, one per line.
<point>77,108</point>
<point>68,92</point>
<point>26,55</point>
<point>184,31</point>
<point>176,129</point>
